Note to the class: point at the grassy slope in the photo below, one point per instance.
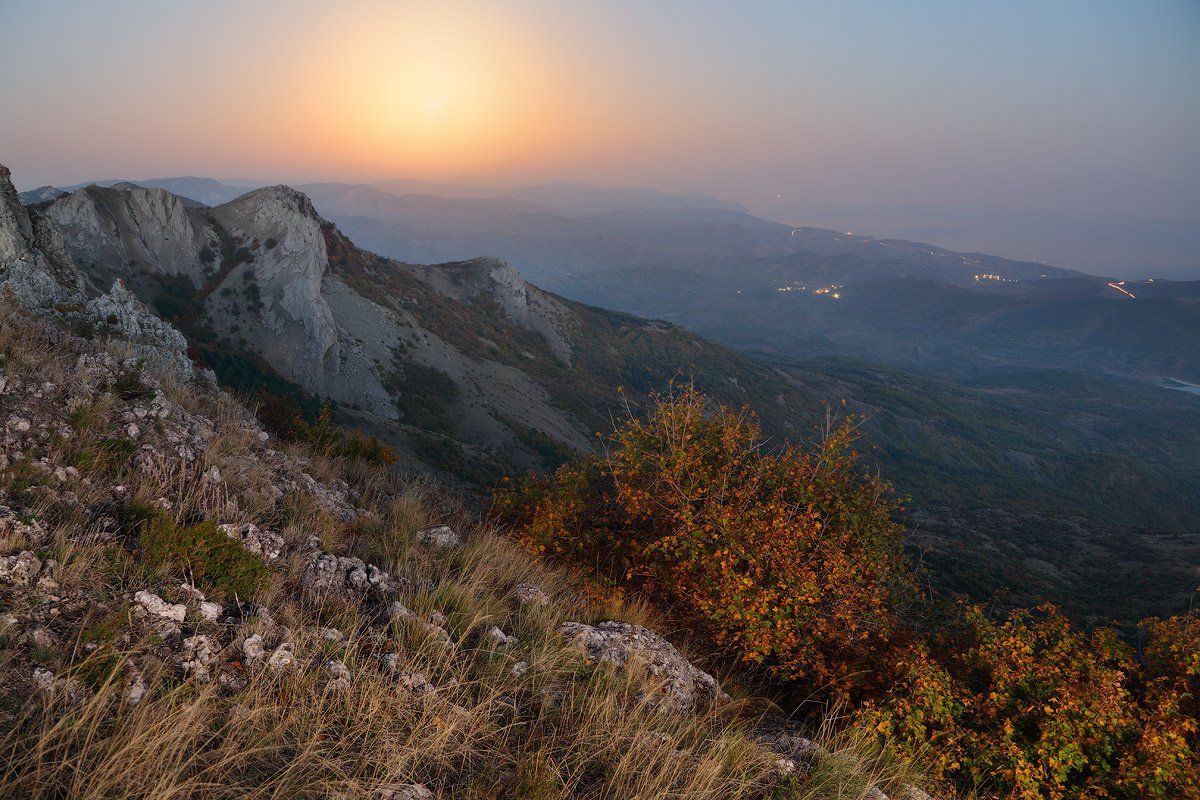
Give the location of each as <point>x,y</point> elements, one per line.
<point>560,730</point>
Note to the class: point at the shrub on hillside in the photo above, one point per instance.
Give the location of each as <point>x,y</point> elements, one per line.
<point>788,558</point>
<point>1030,707</point>
<point>1034,708</point>
<point>327,439</point>
<point>792,559</point>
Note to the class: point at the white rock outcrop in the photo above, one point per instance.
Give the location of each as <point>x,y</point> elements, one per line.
<point>679,685</point>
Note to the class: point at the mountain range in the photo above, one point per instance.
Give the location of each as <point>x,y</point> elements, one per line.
<point>755,285</point>
<point>1017,404</point>
<point>464,366</point>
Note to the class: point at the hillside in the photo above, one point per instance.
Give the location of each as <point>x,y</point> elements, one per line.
<point>463,366</point>
<point>754,284</point>
<point>474,373</point>
<point>1033,486</point>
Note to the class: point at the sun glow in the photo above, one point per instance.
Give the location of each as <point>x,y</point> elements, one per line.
<point>430,93</point>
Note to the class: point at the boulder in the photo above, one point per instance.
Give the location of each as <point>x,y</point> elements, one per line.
<point>679,685</point>
<point>439,536</point>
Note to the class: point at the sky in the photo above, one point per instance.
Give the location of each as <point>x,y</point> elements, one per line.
<point>1065,131</point>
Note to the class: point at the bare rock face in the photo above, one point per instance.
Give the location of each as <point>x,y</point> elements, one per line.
<point>682,687</point>
<point>271,237</point>
<point>111,229</point>
<point>42,194</point>
<point>524,304</point>
<point>299,334</point>
<point>34,266</point>
<point>38,270</point>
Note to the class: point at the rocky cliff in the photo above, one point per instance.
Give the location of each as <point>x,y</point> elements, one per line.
<point>39,274</point>
<point>463,363</point>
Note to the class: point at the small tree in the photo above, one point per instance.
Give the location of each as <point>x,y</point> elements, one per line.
<point>1033,708</point>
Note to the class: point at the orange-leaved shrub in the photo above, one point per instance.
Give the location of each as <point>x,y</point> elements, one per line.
<point>1034,708</point>
<point>790,558</point>
<point>1028,708</point>
<point>1165,762</point>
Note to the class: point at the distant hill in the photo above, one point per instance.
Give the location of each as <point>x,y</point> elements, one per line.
<point>203,191</point>
<point>757,285</point>
<point>42,194</point>
<point>567,197</point>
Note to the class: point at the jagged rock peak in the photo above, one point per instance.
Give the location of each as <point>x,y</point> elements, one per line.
<point>122,314</point>
<point>34,265</point>
<point>282,194</point>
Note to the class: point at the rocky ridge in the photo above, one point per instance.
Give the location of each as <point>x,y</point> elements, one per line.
<point>462,364</point>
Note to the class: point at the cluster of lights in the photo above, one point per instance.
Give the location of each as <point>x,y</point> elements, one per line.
<point>987,276</point>
<point>830,291</point>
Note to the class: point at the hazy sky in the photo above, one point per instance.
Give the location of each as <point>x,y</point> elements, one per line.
<point>1065,131</point>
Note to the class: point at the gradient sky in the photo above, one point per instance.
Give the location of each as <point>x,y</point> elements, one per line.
<point>1063,131</point>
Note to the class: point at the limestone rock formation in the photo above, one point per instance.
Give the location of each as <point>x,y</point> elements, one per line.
<point>42,194</point>
<point>297,333</point>
<point>464,368</point>
<point>120,313</point>
<point>679,685</point>
<point>38,270</point>
<point>34,266</point>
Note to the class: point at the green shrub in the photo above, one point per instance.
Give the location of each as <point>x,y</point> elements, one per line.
<point>326,438</point>
<point>204,553</point>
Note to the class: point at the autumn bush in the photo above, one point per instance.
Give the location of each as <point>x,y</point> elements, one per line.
<point>792,558</point>
<point>788,558</point>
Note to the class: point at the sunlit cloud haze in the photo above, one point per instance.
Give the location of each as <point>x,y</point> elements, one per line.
<point>1059,131</point>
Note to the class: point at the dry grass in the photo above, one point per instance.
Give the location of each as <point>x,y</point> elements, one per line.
<point>560,729</point>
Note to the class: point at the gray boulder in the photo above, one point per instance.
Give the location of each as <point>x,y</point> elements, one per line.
<point>678,685</point>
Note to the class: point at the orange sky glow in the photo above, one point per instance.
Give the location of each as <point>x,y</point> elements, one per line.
<point>1065,134</point>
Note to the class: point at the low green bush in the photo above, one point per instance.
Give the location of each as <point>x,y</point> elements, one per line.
<point>205,554</point>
